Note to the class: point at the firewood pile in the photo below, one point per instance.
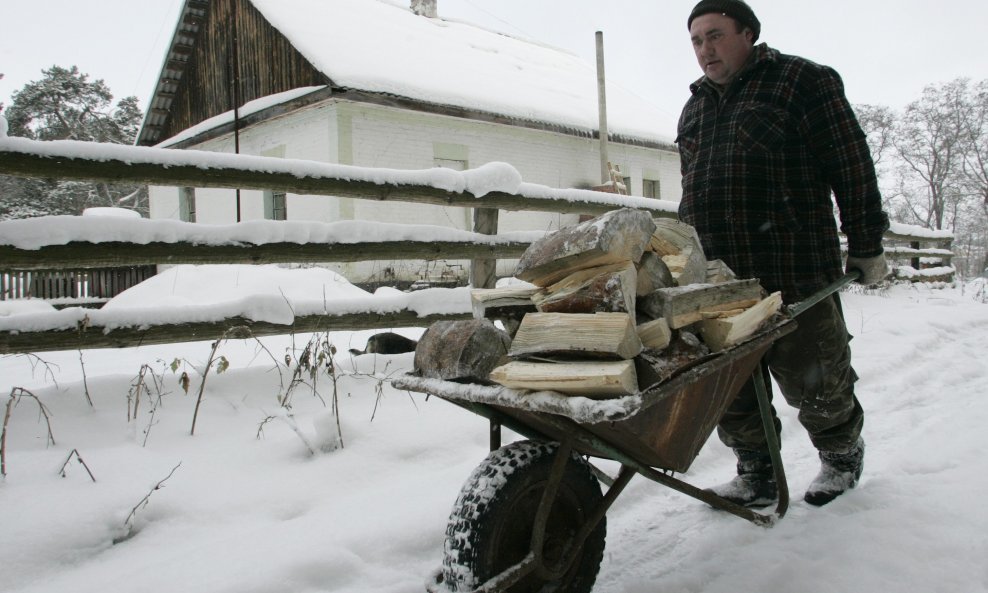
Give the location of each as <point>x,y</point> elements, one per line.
<point>614,304</point>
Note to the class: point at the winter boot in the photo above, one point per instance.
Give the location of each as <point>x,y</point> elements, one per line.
<point>839,472</point>
<point>755,485</point>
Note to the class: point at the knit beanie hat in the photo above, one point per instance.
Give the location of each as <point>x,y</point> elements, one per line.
<point>735,9</point>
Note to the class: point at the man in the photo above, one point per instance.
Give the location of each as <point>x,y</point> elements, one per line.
<point>764,141</point>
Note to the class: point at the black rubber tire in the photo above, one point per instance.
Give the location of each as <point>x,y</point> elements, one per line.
<point>490,526</point>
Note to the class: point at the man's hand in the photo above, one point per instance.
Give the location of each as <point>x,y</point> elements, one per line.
<point>873,269</point>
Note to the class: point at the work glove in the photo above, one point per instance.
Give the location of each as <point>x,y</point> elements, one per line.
<point>873,269</point>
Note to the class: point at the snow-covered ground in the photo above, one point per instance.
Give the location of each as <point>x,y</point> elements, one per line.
<point>247,507</point>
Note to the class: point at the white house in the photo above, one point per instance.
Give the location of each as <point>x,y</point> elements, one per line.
<point>376,83</point>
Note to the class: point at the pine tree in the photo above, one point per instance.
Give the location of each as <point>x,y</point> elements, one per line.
<point>65,105</point>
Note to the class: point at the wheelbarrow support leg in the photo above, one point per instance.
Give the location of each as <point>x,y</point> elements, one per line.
<point>772,438</point>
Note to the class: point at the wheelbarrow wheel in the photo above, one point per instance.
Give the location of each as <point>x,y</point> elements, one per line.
<point>490,527</point>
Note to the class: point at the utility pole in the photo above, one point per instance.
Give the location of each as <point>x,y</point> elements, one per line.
<point>605,169</point>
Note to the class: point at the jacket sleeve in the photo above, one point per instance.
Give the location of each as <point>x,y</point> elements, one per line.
<point>841,147</point>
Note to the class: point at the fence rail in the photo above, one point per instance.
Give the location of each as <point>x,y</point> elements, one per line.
<point>71,160</point>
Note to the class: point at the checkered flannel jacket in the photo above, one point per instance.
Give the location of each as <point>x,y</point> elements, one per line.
<point>759,163</point>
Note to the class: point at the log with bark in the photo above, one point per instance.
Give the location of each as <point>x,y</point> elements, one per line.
<point>679,247</point>
<point>719,272</point>
<point>605,289</point>
<point>653,274</point>
<point>464,350</point>
<point>684,305</point>
<point>616,237</point>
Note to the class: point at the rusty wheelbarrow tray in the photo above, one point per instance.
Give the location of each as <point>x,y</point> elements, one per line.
<point>653,433</point>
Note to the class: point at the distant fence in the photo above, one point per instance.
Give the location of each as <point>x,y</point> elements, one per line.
<point>165,167</point>
<point>90,286</point>
<point>919,257</point>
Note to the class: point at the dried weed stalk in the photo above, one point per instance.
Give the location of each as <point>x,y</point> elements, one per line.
<point>129,531</point>
<point>85,382</point>
<point>16,395</point>
<point>78,457</point>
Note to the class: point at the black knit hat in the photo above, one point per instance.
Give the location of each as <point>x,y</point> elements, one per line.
<point>735,9</point>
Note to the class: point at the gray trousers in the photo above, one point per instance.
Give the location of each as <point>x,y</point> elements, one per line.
<point>812,367</point>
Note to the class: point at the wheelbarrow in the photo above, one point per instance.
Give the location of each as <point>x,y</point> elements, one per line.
<point>531,517</point>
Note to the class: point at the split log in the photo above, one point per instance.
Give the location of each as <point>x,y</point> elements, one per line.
<point>605,289</point>
<point>618,236</point>
<point>655,335</point>
<point>461,350</point>
<point>596,380</point>
<point>723,333</point>
<point>597,335</point>
<point>507,296</point>
<point>719,272</point>
<point>508,304</point>
<point>684,305</point>
<point>672,237</point>
<point>679,247</point>
<point>653,274</point>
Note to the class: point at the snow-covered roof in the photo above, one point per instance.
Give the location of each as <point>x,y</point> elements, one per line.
<point>380,46</point>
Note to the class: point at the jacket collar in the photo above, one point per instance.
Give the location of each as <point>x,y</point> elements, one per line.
<point>761,54</point>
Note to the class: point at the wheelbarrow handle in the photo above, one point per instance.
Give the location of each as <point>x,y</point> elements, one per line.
<point>798,308</point>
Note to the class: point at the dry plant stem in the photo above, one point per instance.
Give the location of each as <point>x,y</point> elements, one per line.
<point>202,383</point>
<point>260,427</point>
<point>290,421</point>
<point>135,394</point>
<point>238,332</point>
<point>15,395</point>
<point>147,497</point>
<point>79,459</point>
<point>157,382</point>
<point>85,382</point>
<point>3,437</point>
<point>281,377</point>
<point>36,360</point>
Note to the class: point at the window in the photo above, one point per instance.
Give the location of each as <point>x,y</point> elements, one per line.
<point>651,188</point>
<point>275,207</point>
<point>451,156</point>
<point>187,204</point>
<point>275,204</point>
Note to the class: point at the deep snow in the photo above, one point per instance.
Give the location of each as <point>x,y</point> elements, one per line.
<point>248,514</point>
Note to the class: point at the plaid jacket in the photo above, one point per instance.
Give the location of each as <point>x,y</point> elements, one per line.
<point>759,163</point>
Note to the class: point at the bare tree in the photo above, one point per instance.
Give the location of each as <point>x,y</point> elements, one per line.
<point>878,122</point>
<point>974,166</point>
<point>929,142</point>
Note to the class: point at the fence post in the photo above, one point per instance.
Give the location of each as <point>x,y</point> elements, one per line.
<point>483,274</point>
<point>483,271</point>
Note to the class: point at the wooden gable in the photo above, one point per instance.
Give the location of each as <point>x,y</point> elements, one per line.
<point>223,54</point>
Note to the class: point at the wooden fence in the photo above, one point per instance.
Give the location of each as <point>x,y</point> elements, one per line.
<point>68,160</point>
<point>87,287</point>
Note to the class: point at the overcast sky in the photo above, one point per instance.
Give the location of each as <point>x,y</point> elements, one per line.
<point>886,52</point>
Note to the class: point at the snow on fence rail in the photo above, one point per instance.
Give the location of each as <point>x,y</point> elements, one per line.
<point>78,243</point>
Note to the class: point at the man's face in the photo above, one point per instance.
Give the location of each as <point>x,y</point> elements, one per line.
<point>720,49</point>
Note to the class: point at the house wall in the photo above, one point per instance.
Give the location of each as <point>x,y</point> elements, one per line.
<point>369,135</point>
